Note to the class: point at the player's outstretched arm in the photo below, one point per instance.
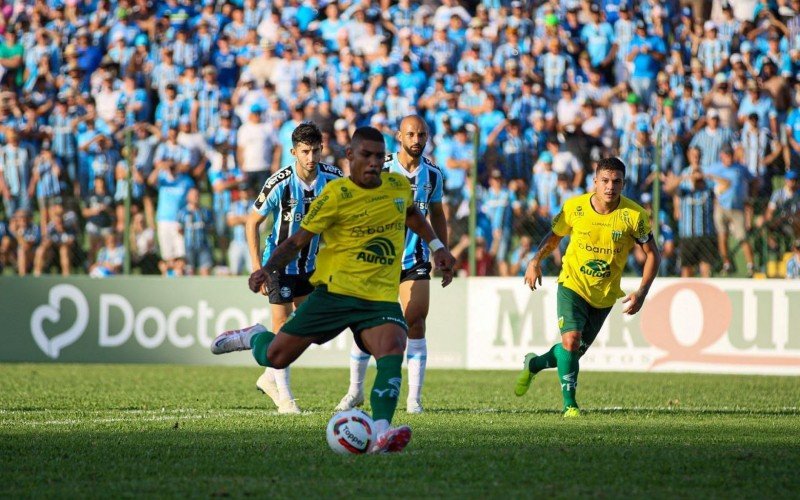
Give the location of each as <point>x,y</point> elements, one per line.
<point>533,275</point>
<point>442,258</point>
<point>280,258</point>
<point>634,301</point>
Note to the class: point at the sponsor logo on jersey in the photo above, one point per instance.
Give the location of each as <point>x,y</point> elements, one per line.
<point>394,182</point>
<point>378,251</point>
<point>331,169</point>
<point>596,269</point>
<point>578,211</point>
<point>626,216</point>
<point>361,231</point>
<point>345,194</point>
<point>598,249</point>
<point>315,208</point>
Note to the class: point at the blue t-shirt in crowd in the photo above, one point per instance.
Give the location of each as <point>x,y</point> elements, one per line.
<point>172,195</point>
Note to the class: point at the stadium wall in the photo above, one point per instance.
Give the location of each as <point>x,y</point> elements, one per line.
<point>708,326</point>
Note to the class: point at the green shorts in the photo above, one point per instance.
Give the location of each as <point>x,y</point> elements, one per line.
<point>325,315</point>
<point>575,314</point>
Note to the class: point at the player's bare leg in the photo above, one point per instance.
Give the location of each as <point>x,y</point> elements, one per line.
<point>415,300</point>
<point>387,342</point>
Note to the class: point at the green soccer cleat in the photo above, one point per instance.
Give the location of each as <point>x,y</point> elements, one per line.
<point>525,377</point>
<point>572,412</point>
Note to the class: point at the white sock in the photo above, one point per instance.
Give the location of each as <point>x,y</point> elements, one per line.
<point>282,381</point>
<point>417,357</point>
<point>358,369</point>
<point>380,426</point>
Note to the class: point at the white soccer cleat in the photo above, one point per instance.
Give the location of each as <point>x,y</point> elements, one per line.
<point>414,406</point>
<point>236,340</point>
<point>350,401</point>
<point>266,384</point>
<point>392,440</point>
<point>288,407</point>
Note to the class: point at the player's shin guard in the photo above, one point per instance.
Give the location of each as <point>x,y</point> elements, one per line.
<point>567,373</point>
<point>546,360</point>
<point>358,369</point>
<point>260,345</point>
<point>387,387</point>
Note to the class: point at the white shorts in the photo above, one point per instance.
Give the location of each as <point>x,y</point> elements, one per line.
<point>170,240</point>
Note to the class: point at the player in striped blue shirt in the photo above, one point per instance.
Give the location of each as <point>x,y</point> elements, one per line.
<point>285,197</point>
<point>426,183</point>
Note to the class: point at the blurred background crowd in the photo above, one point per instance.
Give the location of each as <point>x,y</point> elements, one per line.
<point>176,112</point>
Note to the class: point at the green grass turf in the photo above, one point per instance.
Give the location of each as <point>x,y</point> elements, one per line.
<point>170,431</point>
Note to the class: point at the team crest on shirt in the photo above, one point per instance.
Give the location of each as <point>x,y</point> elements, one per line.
<point>292,202</point>
<point>286,292</point>
<point>616,235</point>
<point>427,187</point>
<point>400,204</point>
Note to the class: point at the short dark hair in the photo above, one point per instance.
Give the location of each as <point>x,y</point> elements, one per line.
<point>307,133</point>
<point>610,163</point>
<point>366,134</point>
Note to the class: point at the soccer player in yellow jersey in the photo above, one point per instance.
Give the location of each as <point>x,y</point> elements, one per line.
<point>603,227</point>
<point>362,220</point>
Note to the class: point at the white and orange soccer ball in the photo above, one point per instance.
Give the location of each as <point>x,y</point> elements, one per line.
<point>350,432</point>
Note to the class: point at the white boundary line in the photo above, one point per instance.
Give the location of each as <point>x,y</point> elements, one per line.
<point>94,417</point>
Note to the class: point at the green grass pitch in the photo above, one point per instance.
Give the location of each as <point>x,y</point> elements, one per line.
<point>175,431</point>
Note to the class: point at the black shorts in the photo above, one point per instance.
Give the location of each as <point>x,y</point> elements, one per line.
<point>290,286</point>
<point>698,249</point>
<point>420,272</point>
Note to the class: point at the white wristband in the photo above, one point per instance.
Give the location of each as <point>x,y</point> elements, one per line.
<point>435,245</point>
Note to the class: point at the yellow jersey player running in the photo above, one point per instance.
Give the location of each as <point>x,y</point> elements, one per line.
<point>362,221</point>
<point>603,227</point>
<point>426,185</point>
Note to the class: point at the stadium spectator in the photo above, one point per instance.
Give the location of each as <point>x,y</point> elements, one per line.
<point>238,252</point>
<point>694,212</point>
<point>591,75</point>
<point>98,212</point>
<point>110,257</point>
<point>793,265</point>
<point>28,236</point>
<point>173,183</point>
<point>729,212</point>
<point>144,255</point>
<point>57,245</point>
<point>196,226</point>
<point>15,166</point>
<point>782,216</point>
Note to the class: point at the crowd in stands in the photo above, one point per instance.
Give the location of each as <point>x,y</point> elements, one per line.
<point>187,107</point>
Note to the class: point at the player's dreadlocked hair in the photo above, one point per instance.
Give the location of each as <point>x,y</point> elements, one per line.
<point>366,134</point>
<point>306,133</point>
<point>611,163</point>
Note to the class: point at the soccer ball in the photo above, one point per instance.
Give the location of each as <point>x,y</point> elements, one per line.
<point>350,432</point>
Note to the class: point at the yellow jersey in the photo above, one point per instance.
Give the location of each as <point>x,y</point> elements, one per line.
<point>363,232</point>
<point>599,246</point>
